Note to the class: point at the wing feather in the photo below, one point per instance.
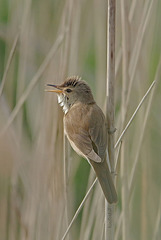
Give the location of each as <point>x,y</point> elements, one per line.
<point>88,131</point>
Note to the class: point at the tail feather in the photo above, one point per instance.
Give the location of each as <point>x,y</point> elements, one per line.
<point>105,180</point>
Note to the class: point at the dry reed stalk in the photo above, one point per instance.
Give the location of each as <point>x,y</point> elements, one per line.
<point>136,51</point>
<point>128,124</point>
<point>98,227</point>
<point>68,17</point>
<point>10,57</point>
<point>100,43</point>
<point>133,172</point>
<point>66,179</point>
<point>131,186</point>
<point>137,48</point>
<point>134,114</point>
<point>110,78</point>
<point>79,209</point>
<point>132,9</point>
<point>15,199</point>
<point>125,31</point>
<point>119,227</point>
<point>73,66</point>
<point>34,80</point>
<point>144,187</point>
<point>110,110</point>
<point>94,213</point>
<point>86,206</point>
<point>23,57</point>
<point>125,80</point>
<point>158,221</point>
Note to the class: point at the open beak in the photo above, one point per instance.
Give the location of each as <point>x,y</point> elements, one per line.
<point>57,90</point>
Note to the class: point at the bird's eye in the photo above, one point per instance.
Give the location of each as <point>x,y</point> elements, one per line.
<point>68,90</point>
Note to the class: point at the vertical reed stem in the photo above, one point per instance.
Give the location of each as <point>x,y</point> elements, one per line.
<point>110,110</point>
<point>125,80</point>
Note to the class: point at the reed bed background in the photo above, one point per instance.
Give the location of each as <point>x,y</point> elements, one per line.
<point>42,181</point>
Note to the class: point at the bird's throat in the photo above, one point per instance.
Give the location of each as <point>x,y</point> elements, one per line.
<point>63,102</point>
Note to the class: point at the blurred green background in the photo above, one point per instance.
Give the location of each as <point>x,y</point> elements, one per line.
<point>44,42</point>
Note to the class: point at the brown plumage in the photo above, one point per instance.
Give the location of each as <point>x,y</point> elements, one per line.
<point>86,130</point>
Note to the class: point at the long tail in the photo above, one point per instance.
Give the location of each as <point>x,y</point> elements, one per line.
<point>105,180</point>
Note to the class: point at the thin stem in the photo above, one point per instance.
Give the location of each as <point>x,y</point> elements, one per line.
<point>110,78</point>
<point>134,114</point>
<point>9,62</point>
<point>110,110</point>
<point>125,80</point>
<point>158,220</point>
<point>65,60</point>
<point>137,47</point>
<point>79,209</point>
<point>158,72</point>
<point>35,79</point>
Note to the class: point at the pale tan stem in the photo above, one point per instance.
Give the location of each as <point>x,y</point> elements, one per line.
<point>35,79</point>
<point>134,114</point>
<point>157,76</point>
<point>9,62</point>
<point>110,110</point>
<point>78,210</point>
<point>158,220</point>
<point>137,47</point>
<point>125,80</point>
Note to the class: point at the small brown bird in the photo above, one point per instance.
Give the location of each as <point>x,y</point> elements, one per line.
<point>85,128</point>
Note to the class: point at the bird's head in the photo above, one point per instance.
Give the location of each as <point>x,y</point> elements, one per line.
<point>73,90</point>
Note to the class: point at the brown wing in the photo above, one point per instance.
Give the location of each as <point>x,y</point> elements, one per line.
<point>85,127</point>
<point>86,130</point>
<point>98,131</point>
<point>98,134</point>
<point>77,124</point>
